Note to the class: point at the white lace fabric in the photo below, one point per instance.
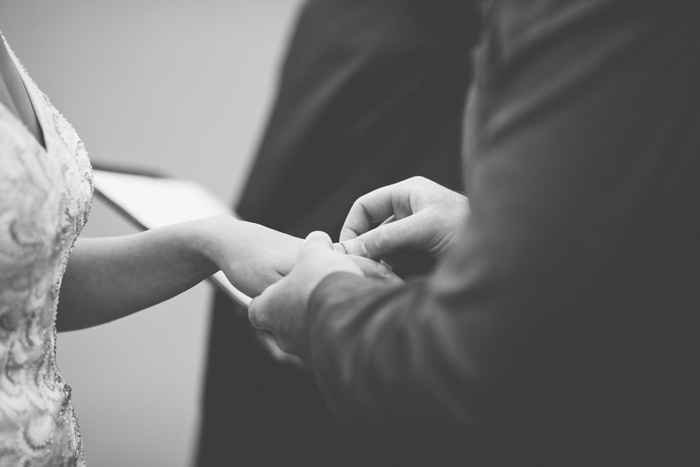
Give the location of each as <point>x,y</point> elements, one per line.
<point>45,197</point>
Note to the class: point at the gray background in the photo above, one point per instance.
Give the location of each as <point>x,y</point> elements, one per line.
<point>179,85</point>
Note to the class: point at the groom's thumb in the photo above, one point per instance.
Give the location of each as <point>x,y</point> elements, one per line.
<point>317,239</point>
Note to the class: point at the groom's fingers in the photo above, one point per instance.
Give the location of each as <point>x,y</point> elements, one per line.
<point>317,239</point>
<point>374,207</point>
<point>412,232</point>
<point>319,258</point>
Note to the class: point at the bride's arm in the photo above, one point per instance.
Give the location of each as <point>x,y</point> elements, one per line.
<point>108,278</point>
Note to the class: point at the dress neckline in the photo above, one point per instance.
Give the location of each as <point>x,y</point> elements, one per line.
<point>30,88</point>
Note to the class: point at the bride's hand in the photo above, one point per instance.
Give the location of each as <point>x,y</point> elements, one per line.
<point>252,256</point>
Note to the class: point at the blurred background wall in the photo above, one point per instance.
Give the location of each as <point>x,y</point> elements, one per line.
<point>182,86</point>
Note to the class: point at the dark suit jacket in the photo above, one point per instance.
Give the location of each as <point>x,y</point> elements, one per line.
<point>564,329</point>
<point>371,92</point>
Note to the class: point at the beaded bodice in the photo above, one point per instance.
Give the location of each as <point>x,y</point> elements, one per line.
<point>45,196</point>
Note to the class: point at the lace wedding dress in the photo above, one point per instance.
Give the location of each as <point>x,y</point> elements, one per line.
<point>45,196</point>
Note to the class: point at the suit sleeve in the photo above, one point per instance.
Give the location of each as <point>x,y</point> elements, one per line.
<point>564,323</point>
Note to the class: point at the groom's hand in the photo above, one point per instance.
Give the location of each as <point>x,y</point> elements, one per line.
<point>282,307</point>
<point>415,214</point>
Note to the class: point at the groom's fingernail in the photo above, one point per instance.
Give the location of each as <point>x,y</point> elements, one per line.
<point>356,247</point>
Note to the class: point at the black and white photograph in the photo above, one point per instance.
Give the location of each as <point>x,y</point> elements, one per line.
<point>367,233</point>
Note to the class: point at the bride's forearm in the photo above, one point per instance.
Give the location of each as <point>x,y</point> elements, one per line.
<point>108,278</point>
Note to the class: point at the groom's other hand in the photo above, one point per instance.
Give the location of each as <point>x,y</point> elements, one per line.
<point>415,214</point>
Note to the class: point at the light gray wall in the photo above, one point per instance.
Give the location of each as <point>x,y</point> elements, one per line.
<point>179,85</point>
